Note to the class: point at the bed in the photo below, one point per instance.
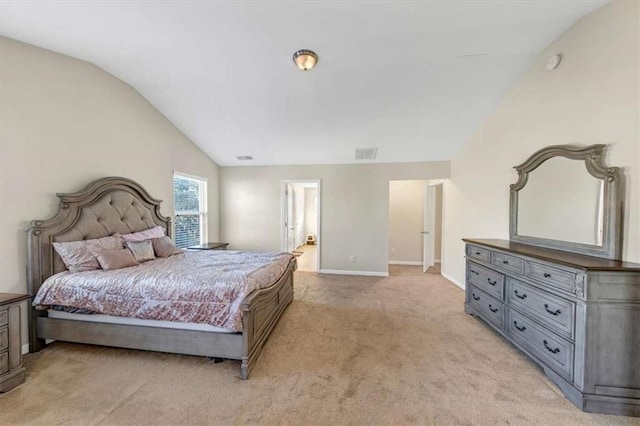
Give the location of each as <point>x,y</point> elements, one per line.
<point>117,205</point>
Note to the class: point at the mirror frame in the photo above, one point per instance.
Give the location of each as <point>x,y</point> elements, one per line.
<point>612,177</point>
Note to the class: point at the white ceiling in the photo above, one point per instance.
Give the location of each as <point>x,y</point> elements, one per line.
<point>414,79</point>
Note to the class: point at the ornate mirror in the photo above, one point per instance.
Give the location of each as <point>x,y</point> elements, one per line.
<point>567,199</point>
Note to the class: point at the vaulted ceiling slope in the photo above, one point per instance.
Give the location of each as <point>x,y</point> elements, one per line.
<point>413,79</point>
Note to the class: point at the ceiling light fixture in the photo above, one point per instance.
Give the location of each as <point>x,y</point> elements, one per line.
<point>305,59</point>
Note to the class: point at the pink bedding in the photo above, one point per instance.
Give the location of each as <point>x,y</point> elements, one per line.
<point>199,286</point>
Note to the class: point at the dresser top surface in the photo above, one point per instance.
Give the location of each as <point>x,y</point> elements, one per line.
<point>556,256</point>
<point>9,298</point>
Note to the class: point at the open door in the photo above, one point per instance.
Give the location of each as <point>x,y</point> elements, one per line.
<point>428,230</point>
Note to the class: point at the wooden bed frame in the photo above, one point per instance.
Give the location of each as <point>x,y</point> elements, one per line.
<point>120,205</point>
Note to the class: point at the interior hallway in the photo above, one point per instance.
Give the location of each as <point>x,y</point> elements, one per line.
<point>307,258</point>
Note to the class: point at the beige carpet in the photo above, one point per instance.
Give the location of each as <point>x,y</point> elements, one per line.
<point>349,350</point>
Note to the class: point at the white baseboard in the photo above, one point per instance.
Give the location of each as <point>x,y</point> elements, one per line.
<point>364,273</point>
<point>405,262</point>
<point>453,280</point>
<point>25,348</point>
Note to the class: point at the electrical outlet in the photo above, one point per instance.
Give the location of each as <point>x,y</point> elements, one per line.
<point>352,259</point>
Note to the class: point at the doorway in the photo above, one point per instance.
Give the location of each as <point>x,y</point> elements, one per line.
<point>415,224</point>
<point>432,229</point>
<point>300,224</point>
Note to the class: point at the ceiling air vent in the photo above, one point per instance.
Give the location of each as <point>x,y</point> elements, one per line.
<point>366,153</point>
<point>244,157</point>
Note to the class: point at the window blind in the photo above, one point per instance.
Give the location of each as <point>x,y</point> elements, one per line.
<point>190,210</point>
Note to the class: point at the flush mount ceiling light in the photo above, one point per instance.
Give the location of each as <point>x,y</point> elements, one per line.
<point>305,59</point>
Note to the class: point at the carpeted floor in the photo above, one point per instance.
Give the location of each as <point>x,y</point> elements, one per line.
<point>349,350</point>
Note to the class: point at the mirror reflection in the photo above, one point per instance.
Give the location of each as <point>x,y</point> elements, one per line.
<point>562,201</point>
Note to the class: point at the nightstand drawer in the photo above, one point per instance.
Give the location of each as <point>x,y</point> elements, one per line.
<point>4,362</point>
<point>479,253</point>
<point>4,317</point>
<point>4,339</point>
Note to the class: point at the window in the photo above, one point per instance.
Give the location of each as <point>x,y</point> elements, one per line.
<point>190,205</point>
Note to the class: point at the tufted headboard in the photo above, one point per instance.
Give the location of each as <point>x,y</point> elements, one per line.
<point>104,207</point>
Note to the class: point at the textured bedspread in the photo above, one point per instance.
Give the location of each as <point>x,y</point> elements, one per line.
<point>199,286</point>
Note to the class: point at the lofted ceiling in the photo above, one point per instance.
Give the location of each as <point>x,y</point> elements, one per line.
<point>414,79</point>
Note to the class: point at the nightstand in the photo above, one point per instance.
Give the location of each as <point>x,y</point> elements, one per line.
<point>210,246</point>
<point>11,369</point>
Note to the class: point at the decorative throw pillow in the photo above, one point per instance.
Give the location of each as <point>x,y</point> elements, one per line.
<point>79,256</point>
<point>164,247</point>
<point>142,250</point>
<point>147,234</point>
<point>116,259</point>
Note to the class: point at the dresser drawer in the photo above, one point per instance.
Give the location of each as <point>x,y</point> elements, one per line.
<point>545,345</point>
<point>492,310</point>
<point>479,253</point>
<point>553,311</point>
<point>4,317</point>
<point>510,263</point>
<point>4,338</point>
<point>551,276</point>
<point>485,279</point>
<point>4,362</point>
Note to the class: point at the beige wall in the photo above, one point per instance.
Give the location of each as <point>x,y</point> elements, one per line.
<point>64,123</point>
<point>354,208</point>
<point>593,97</point>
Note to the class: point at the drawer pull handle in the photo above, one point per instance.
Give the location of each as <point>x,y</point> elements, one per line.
<point>474,272</point>
<point>523,328</point>
<point>506,262</point>
<point>524,296</point>
<point>473,295</point>
<point>478,253</point>
<point>556,312</point>
<point>492,282</point>
<point>547,275</point>
<point>553,351</point>
<point>493,310</point>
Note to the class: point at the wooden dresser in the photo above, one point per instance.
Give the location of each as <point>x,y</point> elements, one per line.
<point>11,369</point>
<point>576,316</point>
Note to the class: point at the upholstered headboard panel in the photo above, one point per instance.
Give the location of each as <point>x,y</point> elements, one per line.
<point>105,207</point>
<point>115,212</point>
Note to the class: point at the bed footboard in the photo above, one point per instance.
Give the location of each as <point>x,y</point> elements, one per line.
<point>261,311</point>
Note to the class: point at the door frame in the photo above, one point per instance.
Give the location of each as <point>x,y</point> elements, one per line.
<point>283,210</point>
